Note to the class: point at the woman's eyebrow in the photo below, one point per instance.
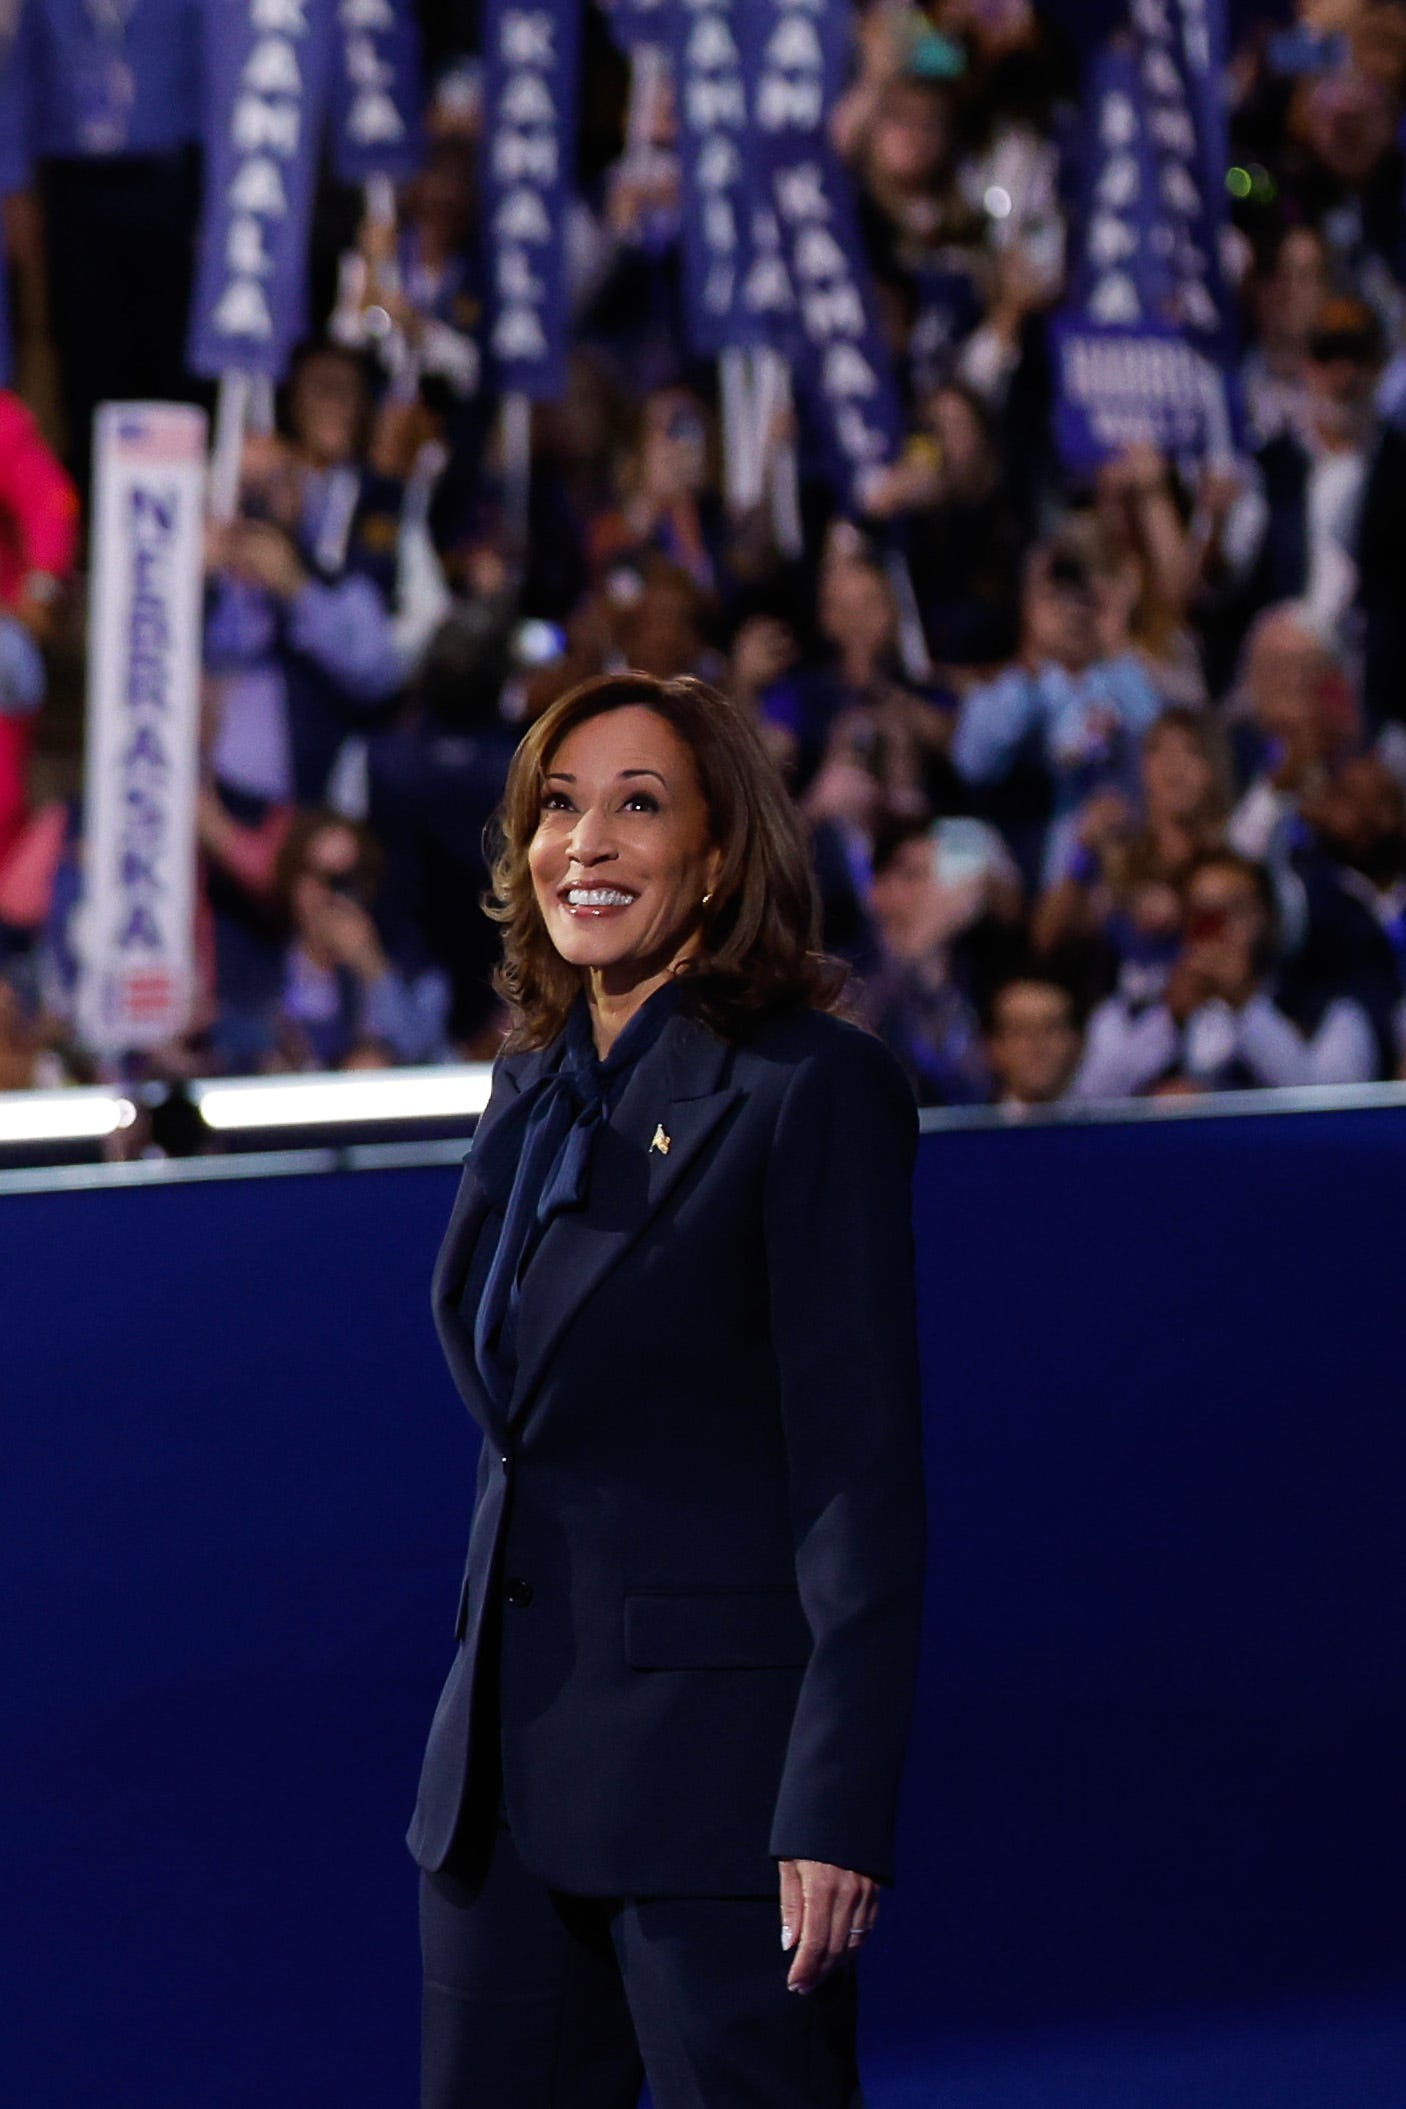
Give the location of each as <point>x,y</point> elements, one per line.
<point>560,776</point>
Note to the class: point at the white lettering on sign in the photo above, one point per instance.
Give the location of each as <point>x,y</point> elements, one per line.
<point>272,68</point>
<point>246,251</point>
<point>527,155</point>
<point>711,93</point>
<point>528,39</point>
<point>258,187</point>
<point>522,217</point>
<point>287,16</point>
<point>519,157</point>
<point>266,132</point>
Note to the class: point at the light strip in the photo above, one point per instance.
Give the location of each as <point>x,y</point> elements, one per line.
<point>62,1116</point>
<point>366,1095</point>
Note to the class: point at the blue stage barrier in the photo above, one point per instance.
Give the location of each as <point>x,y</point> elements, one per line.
<point>1155,1785</point>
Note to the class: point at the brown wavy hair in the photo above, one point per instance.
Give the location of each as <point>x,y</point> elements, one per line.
<point>759,949</point>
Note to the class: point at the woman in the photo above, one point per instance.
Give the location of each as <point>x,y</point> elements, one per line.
<point>1114,914</point>
<point>676,1292</point>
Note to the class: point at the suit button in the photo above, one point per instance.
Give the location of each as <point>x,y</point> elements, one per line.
<point>518,1594</point>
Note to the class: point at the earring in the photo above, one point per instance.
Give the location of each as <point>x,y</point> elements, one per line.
<point>706,898</point>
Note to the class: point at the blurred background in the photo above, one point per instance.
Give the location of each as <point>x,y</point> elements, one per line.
<point>1043,497</point>
<point>1005,403</point>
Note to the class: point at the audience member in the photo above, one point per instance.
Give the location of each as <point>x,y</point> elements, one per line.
<point>1294,710</point>
<point>1285,293</point>
<point>1033,1042</point>
<point>341,999</point>
<point>1222,1023</point>
<point>1116,908</point>
<point>1062,712</point>
<point>926,924</point>
<point>1325,520</point>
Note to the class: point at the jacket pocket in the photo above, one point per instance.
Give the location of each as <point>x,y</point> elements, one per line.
<point>716,1629</point>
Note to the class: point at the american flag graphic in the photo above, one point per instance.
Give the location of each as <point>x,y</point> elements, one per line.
<point>158,436</point>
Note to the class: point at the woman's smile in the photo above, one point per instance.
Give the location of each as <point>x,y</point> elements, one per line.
<point>596,901</point>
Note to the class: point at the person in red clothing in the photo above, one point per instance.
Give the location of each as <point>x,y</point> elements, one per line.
<point>38,541</point>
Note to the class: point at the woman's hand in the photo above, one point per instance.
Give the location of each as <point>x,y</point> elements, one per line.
<point>826,1913</point>
<point>344,929</point>
<point>763,650</point>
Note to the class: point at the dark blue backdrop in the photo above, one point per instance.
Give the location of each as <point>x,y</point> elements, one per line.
<point>1154,1848</point>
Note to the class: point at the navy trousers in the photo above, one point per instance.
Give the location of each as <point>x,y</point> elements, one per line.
<point>538,2000</point>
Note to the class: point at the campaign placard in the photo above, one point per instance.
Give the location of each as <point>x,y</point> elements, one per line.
<point>1144,348</point>
<point>377,91</point>
<point>530,68</point>
<point>268,66</point>
<point>136,944</point>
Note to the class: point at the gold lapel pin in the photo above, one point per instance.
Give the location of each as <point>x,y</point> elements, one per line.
<point>661,1141</point>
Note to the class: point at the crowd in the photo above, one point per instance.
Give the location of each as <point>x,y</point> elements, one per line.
<point>1104,776</point>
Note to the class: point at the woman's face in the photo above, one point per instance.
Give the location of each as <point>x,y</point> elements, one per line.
<point>328,408</point>
<point>856,607</point>
<point>675,449</point>
<point>901,895</point>
<point>331,865</point>
<point>1296,288</point>
<point>912,136</point>
<point>1176,775</point>
<point>623,855</point>
<point>965,455</point>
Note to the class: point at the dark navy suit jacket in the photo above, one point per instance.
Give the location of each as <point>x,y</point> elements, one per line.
<point>692,1596</point>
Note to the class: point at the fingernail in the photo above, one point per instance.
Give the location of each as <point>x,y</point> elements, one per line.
<point>787,1937</point>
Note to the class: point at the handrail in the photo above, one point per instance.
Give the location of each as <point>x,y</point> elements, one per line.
<point>456,1085</point>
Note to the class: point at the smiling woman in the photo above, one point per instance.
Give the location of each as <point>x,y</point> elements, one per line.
<point>661,791</point>
<point>623,864</point>
<point>659,1788</point>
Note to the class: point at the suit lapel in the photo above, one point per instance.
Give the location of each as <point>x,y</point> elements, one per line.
<point>673,1087</point>
<point>456,1252</point>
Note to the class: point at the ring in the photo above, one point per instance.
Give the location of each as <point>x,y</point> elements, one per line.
<point>857,1934</point>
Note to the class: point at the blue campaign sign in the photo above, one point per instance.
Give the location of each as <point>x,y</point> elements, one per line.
<point>710,96</point>
<point>104,78</point>
<point>795,53</point>
<point>1118,387</point>
<point>377,91</point>
<point>531,64</point>
<point>268,67</point>
<point>1121,276</point>
<point>1178,46</point>
<point>1143,344</point>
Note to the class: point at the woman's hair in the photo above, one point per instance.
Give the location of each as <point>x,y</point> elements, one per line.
<point>759,948</point>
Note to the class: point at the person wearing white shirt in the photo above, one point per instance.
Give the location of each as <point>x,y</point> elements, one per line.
<point>1220,1024</point>
<point>1292,691</point>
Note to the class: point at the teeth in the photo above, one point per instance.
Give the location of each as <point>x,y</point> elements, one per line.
<point>598,897</point>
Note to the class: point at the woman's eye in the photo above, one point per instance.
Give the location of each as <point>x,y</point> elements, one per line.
<point>555,802</point>
<point>644,800</point>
